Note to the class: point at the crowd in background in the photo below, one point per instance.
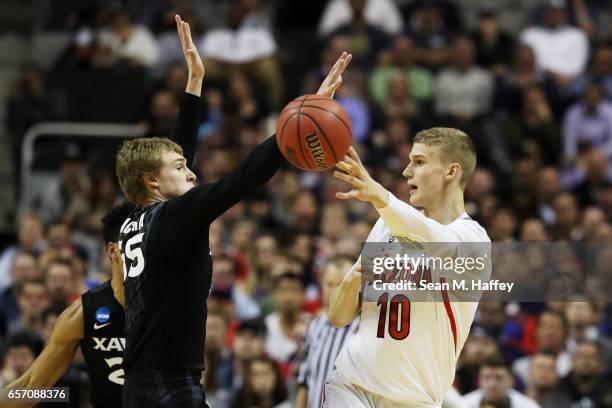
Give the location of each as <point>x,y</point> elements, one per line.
<point>529,81</point>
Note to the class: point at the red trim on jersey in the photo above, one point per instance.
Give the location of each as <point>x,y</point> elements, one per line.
<point>449,312</point>
<point>324,397</point>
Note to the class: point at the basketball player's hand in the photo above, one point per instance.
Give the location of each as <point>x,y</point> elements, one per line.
<point>364,187</point>
<point>355,273</point>
<point>334,79</point>
<point>194,62</point>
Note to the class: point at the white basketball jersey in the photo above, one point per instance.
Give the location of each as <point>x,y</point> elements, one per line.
<point>413,364</point>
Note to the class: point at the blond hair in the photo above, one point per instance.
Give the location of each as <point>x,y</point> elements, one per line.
<point>455,147</point>
<point>138,157</point>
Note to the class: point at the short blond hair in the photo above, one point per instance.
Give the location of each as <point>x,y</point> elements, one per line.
<point>455,146</point>
<point>138,157</point>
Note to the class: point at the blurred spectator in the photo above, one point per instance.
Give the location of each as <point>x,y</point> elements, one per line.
<point>582,317</point>
<point>592,218</point>
<point>217,379</point>
<point>164,108</point>
<point>494,46</point>
<point>25,268</point>
<point>30,235</point>
<point>549,186</point>
<point>247,43</point>
<point>587,125</point>
<point>399,103</point>
<point>480,345</point>
<point>586,383</point>
<point>63,281</point>
<point>560,48</point>
<point>533,230</point>
<point>495,386</point>
<point>61,245</point>
<point>126,40</point>
<point>523,189</point>
<point>543,384</point>
<point>33,100</point>
<point>533,132</point>
<point>463,90</point>
<point>33,299</point>
<point>595,178</point>
<point>224,278</point>
<point>66,196</point>
<point>241,47</point>
<point>50,317</point>
<point>400,60</point>
<point>503,225</point>
<point>551,336</point>
<point>248,345</point>
<point>366,40</point>
<point>263,387</point>
<point>431,33</point>
<point>567,218</point>
<point>380,13</point>
<point>354,99</point>
<point>19,352</point>
<point>510,88</point>
<point>286,327</point>
<point>600,71</point>
<point>245,102</point>
<point>512,14</point>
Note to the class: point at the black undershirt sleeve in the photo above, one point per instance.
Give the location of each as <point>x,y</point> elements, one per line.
<point>198,207</point>
<point>187,122</point>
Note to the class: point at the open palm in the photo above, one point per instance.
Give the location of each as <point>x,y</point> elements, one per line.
<point>194,62</point>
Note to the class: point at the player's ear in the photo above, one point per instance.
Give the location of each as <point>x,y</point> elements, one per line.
<point>151,181</point>
<point>112,249</point>
<point>453,170</point>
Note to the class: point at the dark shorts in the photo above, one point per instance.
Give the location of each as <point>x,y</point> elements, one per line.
<point>163,389</point>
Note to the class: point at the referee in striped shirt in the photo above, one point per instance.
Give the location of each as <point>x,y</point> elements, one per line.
<point>323,341</point>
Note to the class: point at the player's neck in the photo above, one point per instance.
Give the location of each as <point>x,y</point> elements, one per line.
<point>117,285</point>
<point>447,208</point>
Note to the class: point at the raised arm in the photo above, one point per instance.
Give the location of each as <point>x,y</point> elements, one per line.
<point>55,359</point>
<point>206,202</point>
<point>186,131</point>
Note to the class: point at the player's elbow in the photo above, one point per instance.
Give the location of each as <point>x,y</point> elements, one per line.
<point>337,319</point>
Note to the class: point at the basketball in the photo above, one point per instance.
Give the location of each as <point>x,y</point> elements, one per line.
<point>314,132</point>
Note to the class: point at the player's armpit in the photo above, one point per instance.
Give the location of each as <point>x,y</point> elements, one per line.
<point>56,357</point>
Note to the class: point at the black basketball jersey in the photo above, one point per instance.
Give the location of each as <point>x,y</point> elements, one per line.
<point>102,345</point>
<point>168,266</point>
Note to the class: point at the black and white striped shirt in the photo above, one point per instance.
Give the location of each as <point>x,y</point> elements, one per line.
<point>322,345</point>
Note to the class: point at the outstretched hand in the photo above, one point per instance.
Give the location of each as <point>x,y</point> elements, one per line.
<point>190,51</point>
<point>364,187</point>
<point>334,79</point>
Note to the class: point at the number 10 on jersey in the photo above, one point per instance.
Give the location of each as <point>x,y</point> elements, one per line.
<point>399,316</point>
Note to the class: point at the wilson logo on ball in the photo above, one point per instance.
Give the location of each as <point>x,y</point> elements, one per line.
<point>313,132</point>
<point>316,151</point>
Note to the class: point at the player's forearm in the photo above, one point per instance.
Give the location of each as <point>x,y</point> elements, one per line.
<point>253,172</point>
<point>301,399</point>
<point>344,302</point>
<point>19,384</point>
<point>194,85</point>
<point>403,219</point>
